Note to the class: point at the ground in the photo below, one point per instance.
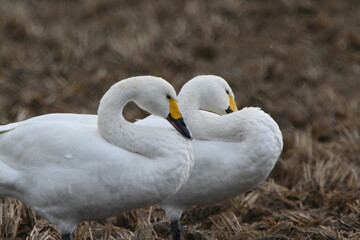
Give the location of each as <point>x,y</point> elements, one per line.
<point>297,60</point>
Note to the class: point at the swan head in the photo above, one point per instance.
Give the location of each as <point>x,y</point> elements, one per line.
<point>213,94</point>
<point>152,94</point>
<point>159,98</point>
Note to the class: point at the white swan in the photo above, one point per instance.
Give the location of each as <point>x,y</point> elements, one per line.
<point>233,153</point>
<point>68,168</point>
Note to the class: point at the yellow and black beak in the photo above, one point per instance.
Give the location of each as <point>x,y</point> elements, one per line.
<point>176,119</point>
<point>232,105</point>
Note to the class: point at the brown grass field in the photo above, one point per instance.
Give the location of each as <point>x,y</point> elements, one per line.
<point>297,60</point>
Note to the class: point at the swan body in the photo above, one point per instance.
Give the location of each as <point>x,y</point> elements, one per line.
<point>74,167</point>
<point>233,152</point>
<point>224,168</point>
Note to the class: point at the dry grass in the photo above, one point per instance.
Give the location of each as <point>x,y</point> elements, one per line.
<point>298,60</point>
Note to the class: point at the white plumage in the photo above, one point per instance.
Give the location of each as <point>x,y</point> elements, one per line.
<point>233,153</point>
<point>68,168</point>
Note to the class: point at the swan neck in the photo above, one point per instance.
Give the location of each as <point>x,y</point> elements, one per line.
<point>111,123</point>
<point>189,103</point>
<point>116,130</point>
<point>199,124</point>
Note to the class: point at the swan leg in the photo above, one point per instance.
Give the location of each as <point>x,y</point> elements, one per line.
<point>176,229</point>
<point>66,236</point>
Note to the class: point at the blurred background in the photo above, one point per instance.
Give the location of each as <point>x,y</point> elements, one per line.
<point>297,60</point>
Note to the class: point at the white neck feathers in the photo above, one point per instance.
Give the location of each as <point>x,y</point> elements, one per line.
<point>115,129</point>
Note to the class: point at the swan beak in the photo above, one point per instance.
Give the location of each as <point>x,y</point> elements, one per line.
<point>177,120</point>
<point>232,107</point>
<point>180,125</point>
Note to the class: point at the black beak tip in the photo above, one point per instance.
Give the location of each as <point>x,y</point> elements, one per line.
<point>228,110</point>
<point>186,133</point>
<point>180,126</point>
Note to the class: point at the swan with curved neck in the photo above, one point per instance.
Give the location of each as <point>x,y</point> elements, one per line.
<point>69,169</point>
<point>233,152</point>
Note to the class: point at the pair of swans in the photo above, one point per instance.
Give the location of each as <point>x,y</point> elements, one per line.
<point>233,153</point>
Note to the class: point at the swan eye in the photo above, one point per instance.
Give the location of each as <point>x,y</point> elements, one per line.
<point>227,91</point>
<point>168,97</point>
